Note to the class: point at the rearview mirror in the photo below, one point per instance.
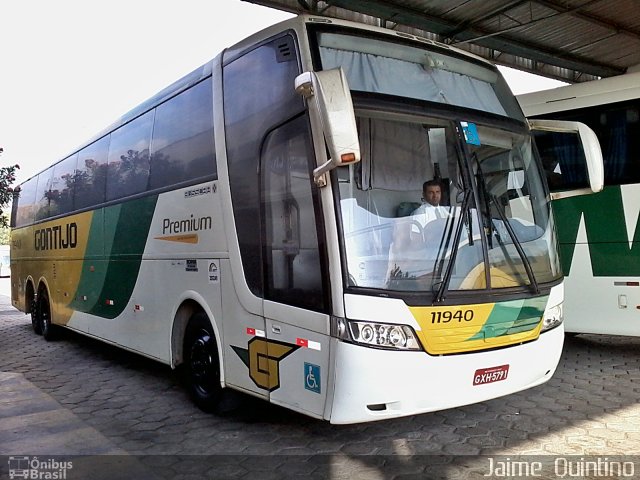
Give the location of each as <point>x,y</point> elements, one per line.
<point>590,154</point>
<point>329,101</point>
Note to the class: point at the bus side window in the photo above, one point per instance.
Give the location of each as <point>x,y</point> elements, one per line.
<point>128,168</point>
<point>563,160</point>
<point>91,174</point>
<point>25,203</point>
<point>258,95</point>
<point>182,146</point>
<point>62,187</point>
<point>43,194</point>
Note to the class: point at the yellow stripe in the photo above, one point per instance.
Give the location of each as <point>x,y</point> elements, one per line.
<point>61,268</point>
<point>447,330</point>
<point>188,238</point>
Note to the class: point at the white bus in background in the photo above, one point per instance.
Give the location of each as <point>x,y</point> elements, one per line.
<point>599,234</point>
<point>5,261</point>
<point>250,224</point>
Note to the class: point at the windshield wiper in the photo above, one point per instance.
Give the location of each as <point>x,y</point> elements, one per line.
<point>516,243</point>
<point>484,207</point>
<point>489,227</point>
<point>466,207</point>
<point>445,241</point>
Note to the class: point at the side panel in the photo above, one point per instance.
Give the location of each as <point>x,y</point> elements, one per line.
<point>600,253</point>
<point>243,333</point>
<point>53,252</point>
<point>121,273</point>
<point>184,245</point>
<point>301,358</point>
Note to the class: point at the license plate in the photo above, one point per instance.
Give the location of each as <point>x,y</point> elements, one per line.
<point>490,375</point>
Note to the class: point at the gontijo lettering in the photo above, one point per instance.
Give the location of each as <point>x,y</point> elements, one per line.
<point>191,224</point>
<point>57,237</point>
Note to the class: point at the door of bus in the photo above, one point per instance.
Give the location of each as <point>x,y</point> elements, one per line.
<point>295,289</point>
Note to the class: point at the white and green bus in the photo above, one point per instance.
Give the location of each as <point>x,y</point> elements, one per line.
<point>598,234</point>
<point>252,224</point>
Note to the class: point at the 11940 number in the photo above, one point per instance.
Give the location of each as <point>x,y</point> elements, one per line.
<point>448,316</point>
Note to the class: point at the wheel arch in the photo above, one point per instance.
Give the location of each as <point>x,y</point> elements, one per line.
<point>188,307</point>
<point>29,294</point>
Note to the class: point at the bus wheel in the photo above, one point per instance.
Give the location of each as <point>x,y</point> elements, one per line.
<point>44,314</point>
<point>35,320</point>
<point>201,365</point>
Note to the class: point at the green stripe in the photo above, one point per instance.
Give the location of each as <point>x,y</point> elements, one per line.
<point>515,316</point>
<point>606,233</point>
<point>126,227</point>
<point>93,266</point>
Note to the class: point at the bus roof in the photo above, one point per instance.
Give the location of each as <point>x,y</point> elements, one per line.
<point>297,23</point>
<point>581,95</point>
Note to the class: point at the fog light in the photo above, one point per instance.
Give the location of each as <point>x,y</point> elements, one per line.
<point>552,317</point>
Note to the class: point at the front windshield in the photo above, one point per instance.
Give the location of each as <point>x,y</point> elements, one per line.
<point>482,220</point>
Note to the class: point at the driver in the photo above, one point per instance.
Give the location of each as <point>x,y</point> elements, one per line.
<point>430,209</point>
<point>414,244</point>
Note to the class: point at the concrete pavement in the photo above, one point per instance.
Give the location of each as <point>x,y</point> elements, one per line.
<point>119,415</point>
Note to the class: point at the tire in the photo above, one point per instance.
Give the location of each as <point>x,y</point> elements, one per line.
<point>35,320</point>
<point>201,364</point>
<point>44,317</point>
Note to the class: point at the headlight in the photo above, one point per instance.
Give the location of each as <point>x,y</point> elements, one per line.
<point>383,335</point>
<point>552,318</point>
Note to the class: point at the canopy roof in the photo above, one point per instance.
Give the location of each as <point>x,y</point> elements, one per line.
<point>570,40</point>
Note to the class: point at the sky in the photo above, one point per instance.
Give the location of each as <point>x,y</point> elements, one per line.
<point>69,68</point>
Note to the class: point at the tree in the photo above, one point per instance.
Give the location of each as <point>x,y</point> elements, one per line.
<point>7,177</point>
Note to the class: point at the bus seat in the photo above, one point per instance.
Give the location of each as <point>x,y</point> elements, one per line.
<point>406,208</point>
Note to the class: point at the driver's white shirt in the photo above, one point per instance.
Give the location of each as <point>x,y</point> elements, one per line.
<point>426,213</point>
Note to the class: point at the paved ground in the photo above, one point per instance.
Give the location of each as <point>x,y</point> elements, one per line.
<point>77,396</point>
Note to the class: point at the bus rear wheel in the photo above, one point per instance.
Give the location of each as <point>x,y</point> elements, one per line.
<point>201,365</point>
<point>35,320</point>
<point>44,316</point>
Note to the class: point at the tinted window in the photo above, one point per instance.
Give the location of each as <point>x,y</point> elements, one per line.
<point>563,160</point>
<point>91,174</point>
<point>43,194</point>
<point>258,95</point>
<point>128,170</point>
<point>617,127</point>
<point>62,186</point>
<point>182,147</point>
<point>26,202</point>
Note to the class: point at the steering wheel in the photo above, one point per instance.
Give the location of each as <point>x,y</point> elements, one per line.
<point>415,225</point>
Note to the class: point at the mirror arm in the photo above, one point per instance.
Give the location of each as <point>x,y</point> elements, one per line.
<point>319,176</point>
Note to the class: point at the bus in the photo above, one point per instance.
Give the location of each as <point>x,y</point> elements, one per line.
<point>252,225</point>
<point>5,261</point>
<point>598,234</point>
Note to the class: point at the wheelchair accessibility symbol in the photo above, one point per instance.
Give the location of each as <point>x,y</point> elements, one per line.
<point>312,377</point>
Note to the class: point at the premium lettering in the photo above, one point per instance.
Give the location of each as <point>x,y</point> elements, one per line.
<point>191,224</point>
<point>58,237</point>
